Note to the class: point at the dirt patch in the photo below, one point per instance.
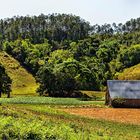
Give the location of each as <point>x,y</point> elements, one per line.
<point>131,116</point>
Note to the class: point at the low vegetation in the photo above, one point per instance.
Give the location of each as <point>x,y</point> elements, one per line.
<point>41,122</point>
<point>23,83</point>
<point>49,101</point>
<point>132,73</point>
<point>94,95</point>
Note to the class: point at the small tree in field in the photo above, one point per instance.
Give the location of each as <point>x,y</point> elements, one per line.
<point>5,82</point>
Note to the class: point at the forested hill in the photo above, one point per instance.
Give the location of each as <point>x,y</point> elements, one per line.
<point>66,53</point>
<point>59,27</point>
<point>55,27</point>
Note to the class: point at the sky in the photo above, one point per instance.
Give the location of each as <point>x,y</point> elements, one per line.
<point>94,11</point>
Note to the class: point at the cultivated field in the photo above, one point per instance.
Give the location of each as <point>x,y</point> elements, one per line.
<point>42,118</point>
<point>131,116</point>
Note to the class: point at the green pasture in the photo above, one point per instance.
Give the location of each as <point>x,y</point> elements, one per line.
<point>50,101</point>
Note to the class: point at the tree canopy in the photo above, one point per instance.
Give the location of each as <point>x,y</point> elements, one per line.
<point>67,54</point>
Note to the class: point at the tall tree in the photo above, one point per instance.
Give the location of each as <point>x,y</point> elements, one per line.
<point>5,82</point>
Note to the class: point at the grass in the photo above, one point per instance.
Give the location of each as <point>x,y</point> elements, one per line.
<point>46,122</point>
<point>96,95</point>
<point>132,73</point>
<point>49,101</point>
<point>23,83</point>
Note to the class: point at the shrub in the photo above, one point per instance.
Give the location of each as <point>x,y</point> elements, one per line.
<point>118,102</point>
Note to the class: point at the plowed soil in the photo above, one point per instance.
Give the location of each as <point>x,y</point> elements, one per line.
<point>131,116</point>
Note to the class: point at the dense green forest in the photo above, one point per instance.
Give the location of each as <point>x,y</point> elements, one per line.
<point>67,54</point>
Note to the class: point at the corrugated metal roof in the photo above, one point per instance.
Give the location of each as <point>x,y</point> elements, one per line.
<point>127,89</point>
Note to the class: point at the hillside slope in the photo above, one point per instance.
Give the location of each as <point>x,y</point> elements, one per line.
<point>23,83</point>
<point>132,73</point>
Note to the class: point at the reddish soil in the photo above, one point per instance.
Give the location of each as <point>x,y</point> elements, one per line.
<point>114,114</point>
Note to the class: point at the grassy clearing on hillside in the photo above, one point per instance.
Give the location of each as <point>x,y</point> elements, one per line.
<point>23,82</point>
<point>132,73</point>
<point>41,122</point>
<point>96,95</point>
<point>49,101</point>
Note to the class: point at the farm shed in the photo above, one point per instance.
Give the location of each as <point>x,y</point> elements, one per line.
<point>123,93</point>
